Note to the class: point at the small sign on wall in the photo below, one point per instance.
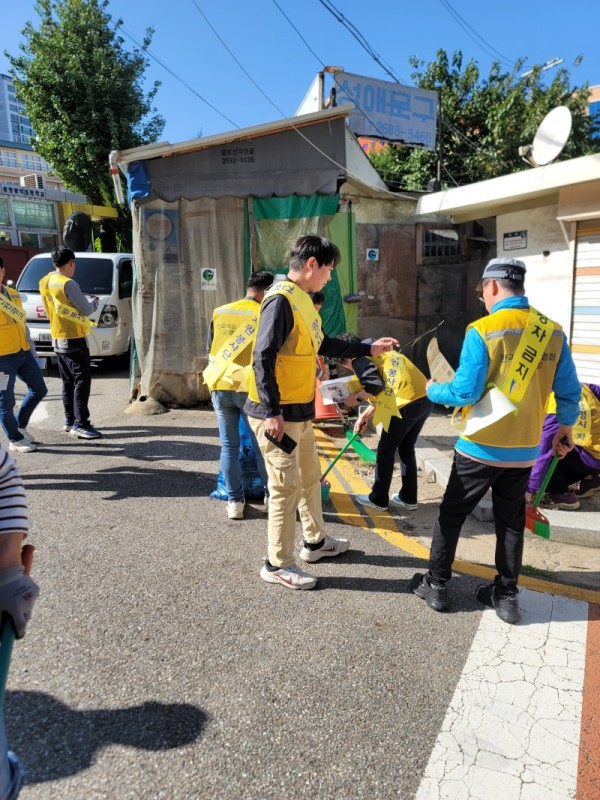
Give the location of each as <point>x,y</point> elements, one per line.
<point>208,279</point>
<point>515,240</point>
<point>372,254</point>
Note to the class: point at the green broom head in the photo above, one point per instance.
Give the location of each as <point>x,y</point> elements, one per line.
<point>537,523</point>
<point>362,451</point>
<point>541,529</point>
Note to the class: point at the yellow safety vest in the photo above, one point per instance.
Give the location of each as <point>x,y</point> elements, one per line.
<point>411,383</point>
<point>586,431</point>
<point>295,363</point>
<point>61,327</point>
<point>13,337</point>
<point>501,332</point>
<point>230,325</point>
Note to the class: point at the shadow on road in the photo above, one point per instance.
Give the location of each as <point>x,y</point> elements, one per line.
<point>125,483</point>
<point>66,741</point>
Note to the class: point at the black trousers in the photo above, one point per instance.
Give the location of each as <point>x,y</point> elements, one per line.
<point>569,470</point>
<point>401,437</point>
<point>76,375</point>
<point>468,483</point>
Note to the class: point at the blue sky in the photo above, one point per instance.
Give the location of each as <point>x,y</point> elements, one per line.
<point>283,66</point>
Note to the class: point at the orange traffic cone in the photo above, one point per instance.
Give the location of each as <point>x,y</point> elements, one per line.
<point>323,410</point>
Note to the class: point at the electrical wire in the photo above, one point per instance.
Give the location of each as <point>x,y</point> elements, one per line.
<point>353,30</point>
<point>322,63</point>
<point>452,178</point>
<point>333,10</point>
<point>174,75</point>
<point>477,38</point>
<point>362,41</point>
<point>325,155</point>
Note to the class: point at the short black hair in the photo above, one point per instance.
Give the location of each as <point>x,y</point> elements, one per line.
<point>311,246</point>
<point>261,280</point>
<point>349,337</point>
<point>1,262</point>
<point>61,255</point>
<point>318,298</point>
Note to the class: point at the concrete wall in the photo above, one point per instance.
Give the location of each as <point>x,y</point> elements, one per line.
<point>404,300</point>
<point>388,287</point>
<point>548,257</point>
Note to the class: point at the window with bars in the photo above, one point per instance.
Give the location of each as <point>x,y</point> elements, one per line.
<point>438,243</point>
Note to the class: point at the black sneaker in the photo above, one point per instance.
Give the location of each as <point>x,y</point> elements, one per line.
<point>436,596</point>
<point>507,607</point>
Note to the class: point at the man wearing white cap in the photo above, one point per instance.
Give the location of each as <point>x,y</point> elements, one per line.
<point>525,355</point>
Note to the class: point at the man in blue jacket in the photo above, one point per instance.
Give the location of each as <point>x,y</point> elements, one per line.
<point>525,355</point>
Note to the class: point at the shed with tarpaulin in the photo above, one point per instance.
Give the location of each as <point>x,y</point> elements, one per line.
<point>209,211</point>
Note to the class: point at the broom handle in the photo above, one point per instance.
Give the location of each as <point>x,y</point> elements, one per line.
<point>549,474</point>
<point>339,455</point>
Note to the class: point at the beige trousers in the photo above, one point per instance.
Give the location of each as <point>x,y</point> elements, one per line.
<point>294,484</point>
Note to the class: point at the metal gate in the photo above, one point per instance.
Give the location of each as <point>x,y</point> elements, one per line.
<point>585,326</point>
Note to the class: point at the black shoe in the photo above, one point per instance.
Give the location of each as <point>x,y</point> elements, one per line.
<point>507,607</point>
<point>436,596</point>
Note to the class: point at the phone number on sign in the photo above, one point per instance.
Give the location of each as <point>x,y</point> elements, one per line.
<point>392,131</point>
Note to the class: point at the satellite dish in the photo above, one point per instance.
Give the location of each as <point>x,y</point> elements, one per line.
<point>550,137</point>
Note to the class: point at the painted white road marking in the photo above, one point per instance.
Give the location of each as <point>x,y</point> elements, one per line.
<point>512,729</point>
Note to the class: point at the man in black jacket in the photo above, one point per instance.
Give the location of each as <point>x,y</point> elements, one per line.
<point>281,401</point>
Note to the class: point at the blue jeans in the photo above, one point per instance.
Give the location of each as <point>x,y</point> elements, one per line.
<point>11,771</point>
<point>228,407</point>
<point>24,366</point>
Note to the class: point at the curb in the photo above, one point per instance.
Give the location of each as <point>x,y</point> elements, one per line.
<point>568,527</point>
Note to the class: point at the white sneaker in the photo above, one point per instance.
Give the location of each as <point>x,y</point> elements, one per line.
<point>25,435</point>
<point>331,547</point>
<point>292,577</point>
<point>397,502</point>
<point>364,500</point>
<point>235,509</point>
<point>24,446</point>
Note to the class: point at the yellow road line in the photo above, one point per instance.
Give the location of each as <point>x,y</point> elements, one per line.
<point>385,526</point>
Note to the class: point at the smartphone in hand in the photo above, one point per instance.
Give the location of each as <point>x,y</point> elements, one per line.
<point>286,444</point>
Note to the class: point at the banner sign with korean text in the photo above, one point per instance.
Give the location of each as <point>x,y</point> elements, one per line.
<point>387,110</point>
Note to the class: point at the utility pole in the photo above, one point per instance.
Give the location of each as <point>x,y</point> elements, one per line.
<point>440,149</point>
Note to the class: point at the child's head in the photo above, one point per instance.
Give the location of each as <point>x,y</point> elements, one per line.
<point>318,299</point>
<point>348,337</point>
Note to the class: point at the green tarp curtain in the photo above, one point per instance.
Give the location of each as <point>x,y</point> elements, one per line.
<point>278,221</point>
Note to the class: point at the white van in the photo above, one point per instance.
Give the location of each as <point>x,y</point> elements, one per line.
<point>109,276</point>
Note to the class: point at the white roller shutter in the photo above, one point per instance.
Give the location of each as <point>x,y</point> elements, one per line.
<point>585,330</point>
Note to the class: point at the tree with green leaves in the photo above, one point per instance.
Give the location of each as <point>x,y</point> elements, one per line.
<point>83,92</point>
<point>484,121</point>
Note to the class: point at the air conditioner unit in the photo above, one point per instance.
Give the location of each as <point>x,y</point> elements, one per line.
<point>33,181</point>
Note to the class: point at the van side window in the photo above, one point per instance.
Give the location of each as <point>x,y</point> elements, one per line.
<point>125,278</point>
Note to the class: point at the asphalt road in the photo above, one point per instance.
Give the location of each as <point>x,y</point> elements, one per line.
<point>159,665</point>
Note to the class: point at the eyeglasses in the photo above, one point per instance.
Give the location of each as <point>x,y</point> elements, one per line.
<point>479,292</point>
